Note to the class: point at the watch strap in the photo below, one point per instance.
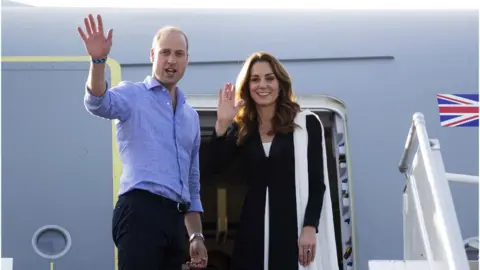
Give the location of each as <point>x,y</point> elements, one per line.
<point>194,236</point>
<point>99,60</point>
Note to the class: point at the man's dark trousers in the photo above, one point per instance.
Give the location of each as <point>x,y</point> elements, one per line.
<point>149,232</point>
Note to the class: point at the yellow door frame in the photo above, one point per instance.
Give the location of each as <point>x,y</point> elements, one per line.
<point>115,78</point>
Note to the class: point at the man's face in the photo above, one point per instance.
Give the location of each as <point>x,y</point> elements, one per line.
<point>169,58</point>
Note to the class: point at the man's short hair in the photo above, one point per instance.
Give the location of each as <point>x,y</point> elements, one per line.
<point>166,30</point>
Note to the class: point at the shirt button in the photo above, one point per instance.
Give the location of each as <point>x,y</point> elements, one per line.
<point>168,103</point>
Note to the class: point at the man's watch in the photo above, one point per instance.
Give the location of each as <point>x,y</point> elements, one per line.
<point>193,236</point>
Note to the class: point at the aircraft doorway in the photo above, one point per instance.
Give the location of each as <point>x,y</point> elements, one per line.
<point>223,195</point>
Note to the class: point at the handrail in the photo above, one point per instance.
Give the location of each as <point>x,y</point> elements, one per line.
<point>418,124</point>
<point>403,166</point>
<point>462,178</point>
<point>436,206</point>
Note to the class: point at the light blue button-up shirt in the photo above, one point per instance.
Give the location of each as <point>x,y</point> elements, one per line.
<point>159,146</point>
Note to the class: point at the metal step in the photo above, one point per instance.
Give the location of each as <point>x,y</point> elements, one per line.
<point>410,265</point>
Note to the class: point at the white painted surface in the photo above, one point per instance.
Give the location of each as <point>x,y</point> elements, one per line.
<point>7,264</point>
<point>399,265</point>
<point>407,265</point>
<point>431,229</point>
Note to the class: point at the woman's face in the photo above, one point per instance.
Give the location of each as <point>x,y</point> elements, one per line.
<point>263,84</point>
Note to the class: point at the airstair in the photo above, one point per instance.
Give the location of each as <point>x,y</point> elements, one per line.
<point>432,238</point>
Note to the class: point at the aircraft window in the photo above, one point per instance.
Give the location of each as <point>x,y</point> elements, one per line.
<point>51,242</point>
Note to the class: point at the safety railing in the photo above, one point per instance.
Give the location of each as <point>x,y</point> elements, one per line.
<point>431,229</point>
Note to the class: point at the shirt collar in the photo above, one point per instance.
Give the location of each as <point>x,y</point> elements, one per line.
<point>152,84</point>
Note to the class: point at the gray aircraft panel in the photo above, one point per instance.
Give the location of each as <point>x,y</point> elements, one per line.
<point>52,149</point>
<point>312,76</point>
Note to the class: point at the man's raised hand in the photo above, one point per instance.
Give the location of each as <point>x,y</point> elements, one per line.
<point>96,43</point>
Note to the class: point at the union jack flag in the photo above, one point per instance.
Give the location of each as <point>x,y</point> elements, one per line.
<point>458,110</point>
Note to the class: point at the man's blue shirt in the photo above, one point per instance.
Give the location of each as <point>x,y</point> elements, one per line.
<point>159,146</point>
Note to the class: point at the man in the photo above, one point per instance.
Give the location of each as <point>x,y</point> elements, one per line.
<point>159,140</point>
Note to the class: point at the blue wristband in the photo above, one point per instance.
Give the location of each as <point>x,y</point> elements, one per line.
<point>99,60</point>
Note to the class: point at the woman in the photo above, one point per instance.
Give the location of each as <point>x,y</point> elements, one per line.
<point>258,128</point>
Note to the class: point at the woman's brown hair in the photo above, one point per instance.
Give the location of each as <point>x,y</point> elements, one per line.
<point>286,108</point>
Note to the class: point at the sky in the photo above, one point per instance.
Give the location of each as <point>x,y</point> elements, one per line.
<point>284,4</point>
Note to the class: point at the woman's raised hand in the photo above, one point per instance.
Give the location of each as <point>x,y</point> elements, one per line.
<point>228,107</point>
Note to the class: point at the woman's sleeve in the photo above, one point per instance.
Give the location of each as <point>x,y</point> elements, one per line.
<point>223,150</point>
<point>316,185</point>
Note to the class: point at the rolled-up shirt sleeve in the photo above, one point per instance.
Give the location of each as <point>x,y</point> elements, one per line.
<point>194,177</point>
<point>115,103</point>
